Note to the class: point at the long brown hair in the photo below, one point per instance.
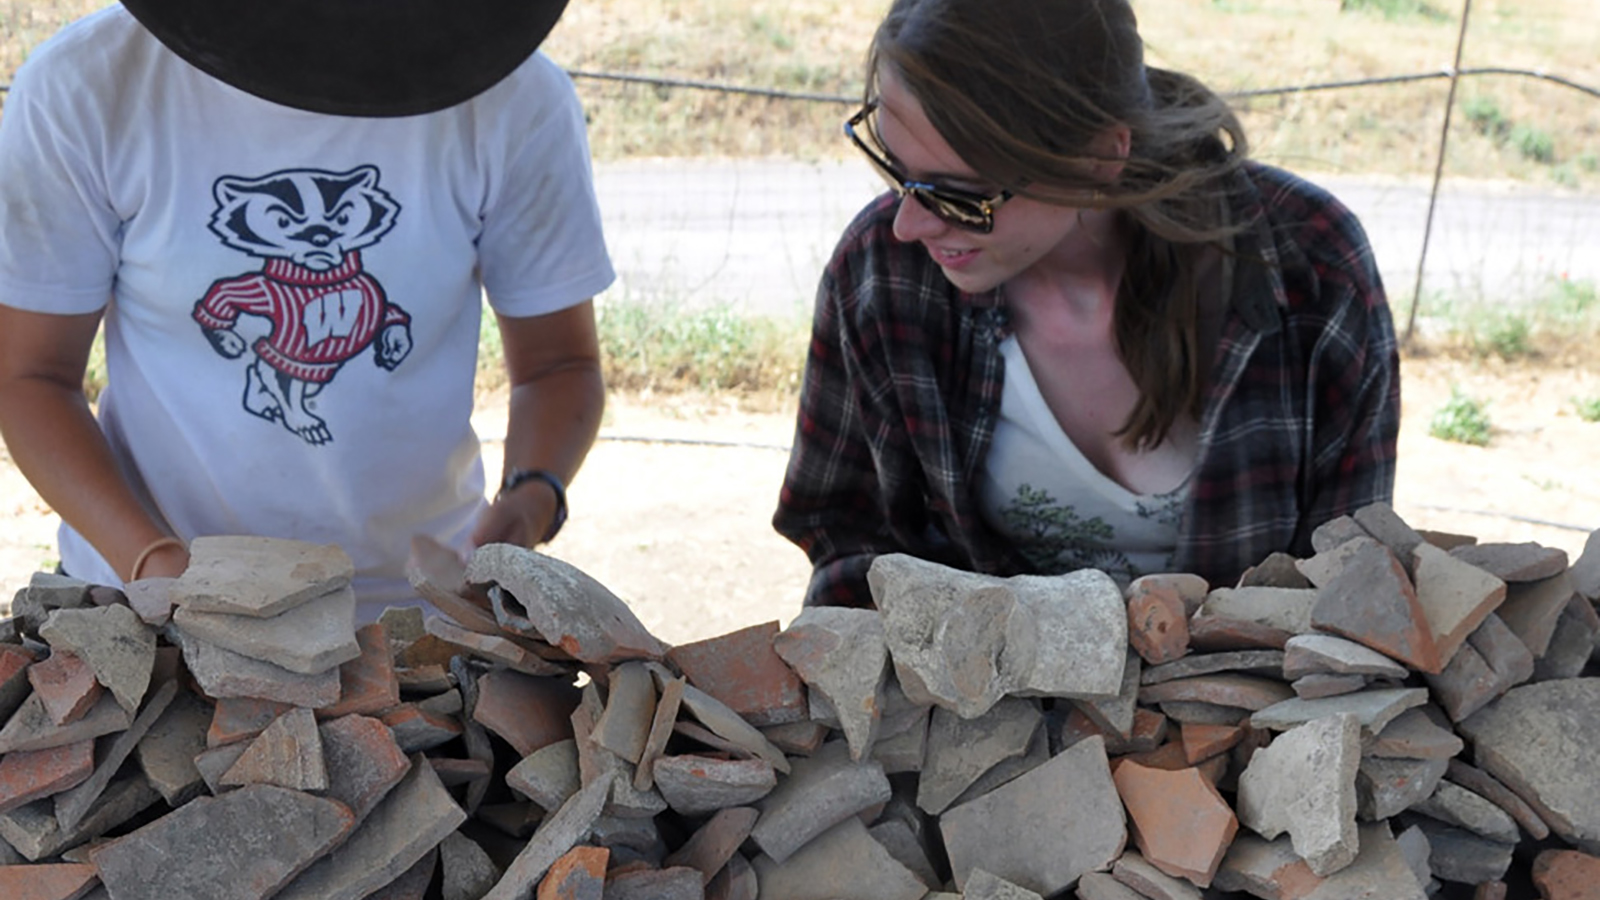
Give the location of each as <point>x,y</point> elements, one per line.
<point>1020,88</point>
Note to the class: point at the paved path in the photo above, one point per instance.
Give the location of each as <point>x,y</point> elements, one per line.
<point>756,233</point>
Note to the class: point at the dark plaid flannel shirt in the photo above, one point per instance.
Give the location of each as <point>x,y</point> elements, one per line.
<point>902,391</point>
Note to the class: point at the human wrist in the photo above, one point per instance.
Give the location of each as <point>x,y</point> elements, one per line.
<point>518,478</point>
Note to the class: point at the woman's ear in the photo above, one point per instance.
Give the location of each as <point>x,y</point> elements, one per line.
<point>1111,147</point>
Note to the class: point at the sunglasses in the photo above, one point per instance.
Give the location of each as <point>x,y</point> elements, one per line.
<point>963,209</point>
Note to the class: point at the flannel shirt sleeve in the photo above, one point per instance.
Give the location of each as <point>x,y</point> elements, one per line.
<point>1309,429</point>
<point>831,503</point>
<point>1355,380</point>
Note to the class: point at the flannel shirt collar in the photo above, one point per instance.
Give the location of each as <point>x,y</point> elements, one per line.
<point>1259,296</point>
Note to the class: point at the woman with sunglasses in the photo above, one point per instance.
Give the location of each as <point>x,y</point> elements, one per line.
<point>1082,329</point>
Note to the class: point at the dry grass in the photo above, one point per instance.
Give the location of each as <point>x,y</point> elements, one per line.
<point>1538,132</point>
<point>1245,44</point>
<point>816,46</point>
<point>801,46</point>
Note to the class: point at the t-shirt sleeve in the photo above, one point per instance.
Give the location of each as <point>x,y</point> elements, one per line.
<point>543,248</point>
<point>60,231</point>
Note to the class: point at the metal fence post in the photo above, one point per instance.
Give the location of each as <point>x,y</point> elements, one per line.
<point>1438,171</point>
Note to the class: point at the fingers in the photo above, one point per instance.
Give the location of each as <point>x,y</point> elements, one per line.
<point>521,516</point>
<point>507,521</point>
<point>495,526</point>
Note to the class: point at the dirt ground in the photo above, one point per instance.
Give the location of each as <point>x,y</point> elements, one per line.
<point>672,509</point>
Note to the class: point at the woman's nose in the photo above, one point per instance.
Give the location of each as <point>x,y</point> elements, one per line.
<point>913,222</point>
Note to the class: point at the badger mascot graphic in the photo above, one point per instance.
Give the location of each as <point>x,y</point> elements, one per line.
<point>309,226</point>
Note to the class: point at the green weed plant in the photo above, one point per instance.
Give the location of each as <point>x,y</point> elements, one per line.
<point>1564,314</point>
<point>1534,143</point>
<point>1574,300</point>
<point>1396,10</point>
<point>663,347</point>
<point>1462,420</point>
<point>666,347</point>
<point>1483,113</point>
<point>1507,334</point>
<point>1531,142</point>
<point>94,375</point>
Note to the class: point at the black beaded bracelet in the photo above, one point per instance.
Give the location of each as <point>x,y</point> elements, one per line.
<point>517,477</point>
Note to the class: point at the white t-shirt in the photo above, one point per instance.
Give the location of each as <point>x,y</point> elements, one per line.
<point>295,298</point>
<point>1061,513</point>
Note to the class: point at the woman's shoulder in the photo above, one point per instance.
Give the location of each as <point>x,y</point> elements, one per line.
<point>1295,202</point>
<point>868,259</point>
<point>869,238</point>
<point>1288,198</point>
<point>1309,225</point>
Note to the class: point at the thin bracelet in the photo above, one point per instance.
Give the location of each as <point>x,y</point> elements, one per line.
<point>151,548</point>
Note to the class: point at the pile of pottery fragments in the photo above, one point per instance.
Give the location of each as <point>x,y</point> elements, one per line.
<point>1400,716</point>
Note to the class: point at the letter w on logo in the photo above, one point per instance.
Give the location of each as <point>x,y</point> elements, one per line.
<point>332,315</point>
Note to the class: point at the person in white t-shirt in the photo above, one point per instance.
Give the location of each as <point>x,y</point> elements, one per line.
<point>285,216</point>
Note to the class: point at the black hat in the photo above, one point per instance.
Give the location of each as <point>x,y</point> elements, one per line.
<point>353,57</point>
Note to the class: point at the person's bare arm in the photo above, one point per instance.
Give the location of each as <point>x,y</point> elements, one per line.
<point>557,396</point>
<point>54,439</point>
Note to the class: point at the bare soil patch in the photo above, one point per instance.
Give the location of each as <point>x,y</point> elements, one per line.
<point>672,509</point>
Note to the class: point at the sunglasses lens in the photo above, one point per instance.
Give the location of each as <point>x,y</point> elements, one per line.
<point>959,212</point>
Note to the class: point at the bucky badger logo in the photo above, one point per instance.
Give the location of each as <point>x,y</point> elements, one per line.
<point>309,226</point>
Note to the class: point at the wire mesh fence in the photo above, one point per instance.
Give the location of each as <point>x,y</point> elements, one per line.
<point>754,230</point>
<point>723,193</point>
